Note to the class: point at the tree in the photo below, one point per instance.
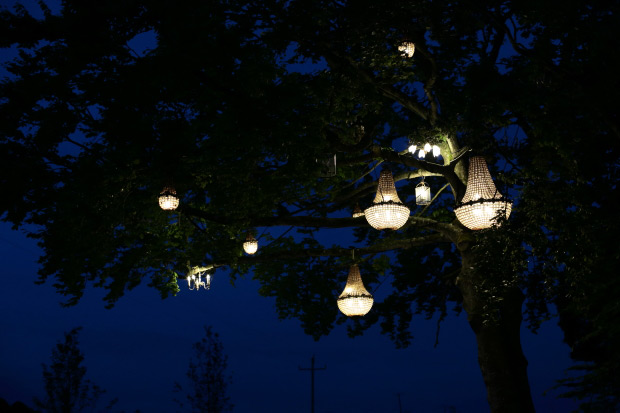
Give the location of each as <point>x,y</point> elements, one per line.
<point>67,390</point>
<point>207,375</point>
<point>235,101</point>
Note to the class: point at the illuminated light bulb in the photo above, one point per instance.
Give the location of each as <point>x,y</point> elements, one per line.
<point>250,246</point>
<point>355,300</point>
<point>422,153</point>
<point>482,202</point>
<point>387,210</point>
<point>168,199</point>
<point>407,48</point>
<point>427,147</point>
<point>412,148</point>
<point>436,151</point>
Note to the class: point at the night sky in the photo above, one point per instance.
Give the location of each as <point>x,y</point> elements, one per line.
<point>141,347</point>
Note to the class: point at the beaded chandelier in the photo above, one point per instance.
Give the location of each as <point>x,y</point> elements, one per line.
<point>168,199</point>
<point>355,300</point>
<point>195,281</point>
<point>482,202</point>
<point>407,48</point>
<point>387,210</point>
<point>250,246</point>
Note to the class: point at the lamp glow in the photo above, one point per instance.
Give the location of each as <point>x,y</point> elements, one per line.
<point>407,48</point>
<point>195,281</point>
<point>412,148</point>
<point>387,210</point>
<point>422,194</point>
<point>250,246</point>
<point>482,202</point>
<point>436,151</point>
<point>168,199</point>
<point>355,300</point>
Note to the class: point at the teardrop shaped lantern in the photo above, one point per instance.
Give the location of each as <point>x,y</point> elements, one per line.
<point>407,48</point>
<point>357,212</point>
<point>355,300</point>
<point>250,246</point>
<point>422,193</point>
<point>387,210</point>
<point>481,202</point>
<point>168,199</point>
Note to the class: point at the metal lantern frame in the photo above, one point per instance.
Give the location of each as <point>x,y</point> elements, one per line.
<point>355,300</point>
<point>422,193</point>
<point>482,202</point>
<point>387,210</point>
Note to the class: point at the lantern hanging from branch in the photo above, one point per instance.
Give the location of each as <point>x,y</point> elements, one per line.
<point>482,203</point>
<point>195,281</point>
<point>355,300</point>
<point>168,199</point>
<point>357,212</point>
<point>250,246</point>
<point>407,48</point>
<point>422,193</point>
<point>387,210</point>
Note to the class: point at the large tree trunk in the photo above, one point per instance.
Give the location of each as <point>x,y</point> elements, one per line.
<point>501,359</point>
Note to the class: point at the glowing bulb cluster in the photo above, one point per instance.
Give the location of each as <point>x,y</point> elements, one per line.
<point>422,151</point>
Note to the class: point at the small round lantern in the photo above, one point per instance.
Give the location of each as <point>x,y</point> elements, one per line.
<point>387,210</point>
<point>422,193</point>
<point>355,300</point>
<point>168,199</point>
<point>407,48</point>
<point>482,202</point>
<point>250,246</point>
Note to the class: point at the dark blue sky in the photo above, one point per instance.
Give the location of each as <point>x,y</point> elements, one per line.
<point>138,349</point>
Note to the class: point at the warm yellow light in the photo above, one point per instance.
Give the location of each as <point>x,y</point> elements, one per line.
<point>250,246</point>
<point>422,194</point>
<point>194,278</point>
<point>482,202</point>
<point>407,49</point>
<point>168,199</point>
<point>357,212</point>
<point>436,151</point>
<point>387,210</point>
<point>422,153</point>
<point>428,147</point>
<point>355,300</point>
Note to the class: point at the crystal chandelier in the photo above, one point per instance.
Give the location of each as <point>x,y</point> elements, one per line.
<point>422,193</point>
<point>195,281</point>
<point>387,210</point>
<point>355,300</point>
<point>407,48</point>
<point>482,202</point>
<point>250,246</point>
<point>168,199</point>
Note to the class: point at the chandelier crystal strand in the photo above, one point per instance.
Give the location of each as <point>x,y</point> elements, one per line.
<point>250,246</point>
<point>387,210</point>
<point>407,48</point>
<point>355,300</point>
<point>482,202</point>
<point>168,199</point>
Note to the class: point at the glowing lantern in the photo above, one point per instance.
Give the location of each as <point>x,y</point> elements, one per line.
<point>355,300</point>
<point>168,199</point>
<point>387,210</point>
<point>412,148</point>
<point>195,281</point>
<point>357,212</point>
<point>436,151</point>
<point>407,48</point>
<point>422,193</point>
<point>482,202</point>
<point>250,246</point>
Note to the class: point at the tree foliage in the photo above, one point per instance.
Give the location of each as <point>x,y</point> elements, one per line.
<point>235,102</point>
<point>208,377</point>
<point>67,390</point>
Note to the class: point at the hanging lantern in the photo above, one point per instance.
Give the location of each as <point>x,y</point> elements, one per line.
<point>387,210</point>
<point>407,48</point>
<point>355,300</point>
<point>250,246</point>
<point>195,281</point>
<point>168,199</point>
<point>357,212</point>
<point>422,193</point>
<point>422,153</point>
<point>436,151</point>
<point>481,202</point>
<point>412,148</point>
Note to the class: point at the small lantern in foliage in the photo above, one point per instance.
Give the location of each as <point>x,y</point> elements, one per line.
<point>250,246</point>
<point>195,281</point>
<point>387,210</point>
<point>407,48</point>
<point>355,300</point>
<point>357,212</point>
<point>168,199</point>
<point>422,193</point>
<point>481,202</point>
